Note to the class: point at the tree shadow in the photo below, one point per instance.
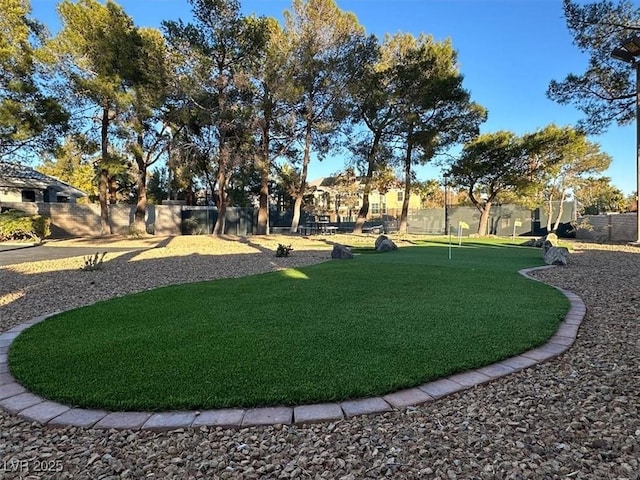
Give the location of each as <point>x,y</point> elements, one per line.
<point>29,290</point>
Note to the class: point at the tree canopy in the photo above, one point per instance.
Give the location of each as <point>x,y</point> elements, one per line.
<point>237,107</point>
<point>31,117</point>
<point>488,165</point>
<point>605,91</point>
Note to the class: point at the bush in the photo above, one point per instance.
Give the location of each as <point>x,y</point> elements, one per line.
<point>93,262</point>
<point>18,225</point>
<point>283,250</point>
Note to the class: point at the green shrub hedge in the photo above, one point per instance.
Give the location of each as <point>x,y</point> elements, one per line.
<point>18,225</point>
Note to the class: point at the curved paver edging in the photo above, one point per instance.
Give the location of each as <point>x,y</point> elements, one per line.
<point>17,400</point>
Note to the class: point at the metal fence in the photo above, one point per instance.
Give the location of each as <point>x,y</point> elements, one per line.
<point>201,220</point>
<point>504,220</point>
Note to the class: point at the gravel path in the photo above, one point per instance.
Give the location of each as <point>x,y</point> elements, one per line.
<point>574,417</point>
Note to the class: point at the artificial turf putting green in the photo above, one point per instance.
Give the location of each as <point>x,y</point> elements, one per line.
<point>327,332</point>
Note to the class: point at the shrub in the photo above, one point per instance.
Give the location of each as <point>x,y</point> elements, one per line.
<point>133,232</point>
<point>93,262</point>
<point>18,225</point>
<point>283,250</point>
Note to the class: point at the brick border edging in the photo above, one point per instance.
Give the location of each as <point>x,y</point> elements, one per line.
<point>15,399</point>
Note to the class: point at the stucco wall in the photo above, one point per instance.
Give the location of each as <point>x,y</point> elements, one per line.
<point>15,194</point>
<point>83,220</point>
<point>621,227</point>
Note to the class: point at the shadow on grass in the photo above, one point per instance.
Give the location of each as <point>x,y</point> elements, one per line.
<point>25,291</point>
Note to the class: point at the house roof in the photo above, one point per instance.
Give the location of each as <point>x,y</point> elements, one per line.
<point>18,176</point>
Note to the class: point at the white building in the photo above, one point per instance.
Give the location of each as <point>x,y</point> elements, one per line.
<point>19,183</point>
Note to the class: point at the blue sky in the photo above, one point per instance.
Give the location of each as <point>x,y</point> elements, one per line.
<point>508,51</point>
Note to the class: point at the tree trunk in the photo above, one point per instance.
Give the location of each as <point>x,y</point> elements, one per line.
<point>218,228</point>
<point>263,209</point>
<point>371,160</point>
<point>484,218</point>
<point>407,188</point>
<point>113,190</point>
<point>141,186</point>
<point>265,168</point>
<point>364,210</point>
<point>549,213</point>
<point>295,221</point>
<point>103,179</point>
<point>560,211</point>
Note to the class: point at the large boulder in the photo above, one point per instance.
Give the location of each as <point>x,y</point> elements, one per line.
<point>552,237</point>
<point>556,255</point>
<point>379,240</point>
<point>386,245</point>
<point>341,252</point>
<point>548,241</point>
<point>540,242</point>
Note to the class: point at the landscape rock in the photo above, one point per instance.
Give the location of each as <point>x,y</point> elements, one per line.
<point>552,237</point>
<point>575,416</point>
<point>386,245</point>
<point>379,240</point>
<point>555,255</point>
<point>341,252</point>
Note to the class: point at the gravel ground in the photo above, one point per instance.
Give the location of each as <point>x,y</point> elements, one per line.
<point>574,417</point>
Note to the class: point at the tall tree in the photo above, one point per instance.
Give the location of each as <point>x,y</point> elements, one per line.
<point>326,46</point>
<point>605,91</point>
<point>149,127</point>
<point>30,117</point>
<point>436,112</point>
<point>374,107</point>
<point>597,195</point>
<point>157,186</point>
<point>286,180</point>
<point>219,48</point>
<point>568,157</point>
<point>430,192</point>
<point>275,105</point>
<point>98,47</point>
<point>490,164</point>
<point>345,190</point>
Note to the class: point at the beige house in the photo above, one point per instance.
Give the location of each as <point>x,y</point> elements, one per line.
<point>19,183</point>
<point>327,199</point>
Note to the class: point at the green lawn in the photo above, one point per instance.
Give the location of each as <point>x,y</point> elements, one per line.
<point>327,332</point>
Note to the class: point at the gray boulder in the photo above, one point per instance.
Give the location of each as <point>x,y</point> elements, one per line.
<point>379,240</point>
<point>556,255</point>
<point>341,252</point>
<point>546,246</point>
<point>540,242</point>
<point>386,245</point>
<point>549,240</point>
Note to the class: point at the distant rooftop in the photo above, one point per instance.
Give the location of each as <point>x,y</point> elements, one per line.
<point>13,175</point>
